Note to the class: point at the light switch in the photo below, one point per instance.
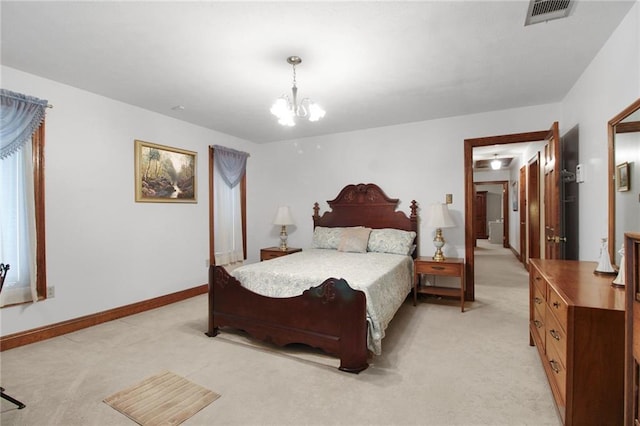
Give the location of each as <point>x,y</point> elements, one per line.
<point>579,174</point>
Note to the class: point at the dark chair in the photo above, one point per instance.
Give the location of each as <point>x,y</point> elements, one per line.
<point>3,274</point>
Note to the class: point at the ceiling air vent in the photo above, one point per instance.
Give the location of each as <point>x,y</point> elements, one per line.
<point>546,10</point>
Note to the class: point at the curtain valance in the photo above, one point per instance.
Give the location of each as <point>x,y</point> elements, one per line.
<point>20,117</point>
<point>231,164</point>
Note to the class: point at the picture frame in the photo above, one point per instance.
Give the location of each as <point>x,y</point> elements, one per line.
<point>514,196</point>
<point>622,177</point>
<point>164,174</point>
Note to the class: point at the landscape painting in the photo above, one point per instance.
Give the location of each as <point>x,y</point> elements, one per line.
<point>164,174</point>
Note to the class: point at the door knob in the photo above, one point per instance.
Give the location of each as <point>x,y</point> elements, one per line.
<point>556,239</point>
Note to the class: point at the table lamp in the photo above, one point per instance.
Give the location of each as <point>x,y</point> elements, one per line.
<point>283,218</point>
<point>439,218</point>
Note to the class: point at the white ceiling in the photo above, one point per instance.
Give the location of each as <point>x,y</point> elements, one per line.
<point>369,64</point>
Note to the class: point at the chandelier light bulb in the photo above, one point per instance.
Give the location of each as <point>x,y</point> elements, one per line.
<point>287,110</point>
<point>495,164</point>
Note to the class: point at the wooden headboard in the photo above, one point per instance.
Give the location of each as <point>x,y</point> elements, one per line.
<point>365,204</point>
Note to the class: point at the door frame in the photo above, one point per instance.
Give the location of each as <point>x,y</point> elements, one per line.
<point>534,197</point>
<point>469,144</point>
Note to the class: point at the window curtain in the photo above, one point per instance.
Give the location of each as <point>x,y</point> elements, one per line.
<point>20,117</point>
<point>229,168</point>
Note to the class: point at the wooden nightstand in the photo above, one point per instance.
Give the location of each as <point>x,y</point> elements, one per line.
<point>273,252</point>
<point>452,267</point>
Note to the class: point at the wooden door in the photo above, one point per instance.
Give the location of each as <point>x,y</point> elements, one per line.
<point>569,194</point>
<point>480,221</point>
<point>522,205</point>
<point>533,208</point>
<point>552,207</point>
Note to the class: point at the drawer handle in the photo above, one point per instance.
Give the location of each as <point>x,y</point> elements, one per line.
<point>554,366</point>
<point>538,278</point>
<point>438,268</point>
<point>537,300</point>
<point>556,304</point>
<point>537,323</point>
<point>554,334</point>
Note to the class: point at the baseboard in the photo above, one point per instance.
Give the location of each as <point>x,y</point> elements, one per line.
<point>42,333</point>
<point>515,253</point>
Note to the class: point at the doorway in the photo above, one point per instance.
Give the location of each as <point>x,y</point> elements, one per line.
<point>469,144</point>
<point>492,211</point>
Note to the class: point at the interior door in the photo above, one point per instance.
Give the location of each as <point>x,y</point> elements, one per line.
<point>569,194</point>
<point>481,215</point>
<point>552,208</point>
<point>533,208</point>
<point>523,214</point>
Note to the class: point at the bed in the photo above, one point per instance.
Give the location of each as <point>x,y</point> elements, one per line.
<point>326,313</point>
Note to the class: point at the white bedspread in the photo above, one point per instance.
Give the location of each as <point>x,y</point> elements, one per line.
<point>386,279</point>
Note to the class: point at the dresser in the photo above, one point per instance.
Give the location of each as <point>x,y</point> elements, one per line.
<point>577,324</point>
<point>632,329</point>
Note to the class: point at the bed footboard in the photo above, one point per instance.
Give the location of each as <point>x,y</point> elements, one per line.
<point>331,316</point>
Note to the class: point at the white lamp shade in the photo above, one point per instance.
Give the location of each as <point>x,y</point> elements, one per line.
<point>439,217</point>
<point>283,216</point>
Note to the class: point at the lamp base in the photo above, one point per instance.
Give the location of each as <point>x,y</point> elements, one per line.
<point>438,242</point>
<point>283,238</point>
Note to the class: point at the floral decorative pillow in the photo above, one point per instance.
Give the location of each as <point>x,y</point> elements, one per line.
<point>326,238</point>
<point>394,241</point>
<point>354,240</point>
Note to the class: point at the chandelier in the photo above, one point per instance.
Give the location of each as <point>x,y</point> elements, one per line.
<point>496,163</point>
<point>287,110</point>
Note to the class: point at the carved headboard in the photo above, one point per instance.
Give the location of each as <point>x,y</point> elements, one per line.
<point>365,204</point>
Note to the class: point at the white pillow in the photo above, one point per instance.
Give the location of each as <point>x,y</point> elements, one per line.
<point>326,238</point>
<point>394,241</point>
<point>355,239</point>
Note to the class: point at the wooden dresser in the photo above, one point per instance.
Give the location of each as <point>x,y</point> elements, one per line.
<point>577,324</point>
<point>632,329</point>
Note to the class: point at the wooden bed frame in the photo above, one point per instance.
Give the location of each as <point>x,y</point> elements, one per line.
<point>331,316</point>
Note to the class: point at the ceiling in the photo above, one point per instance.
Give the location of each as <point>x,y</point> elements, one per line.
<point>369,64</point>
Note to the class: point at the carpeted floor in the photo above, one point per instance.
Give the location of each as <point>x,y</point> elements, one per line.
<point>439,367</point>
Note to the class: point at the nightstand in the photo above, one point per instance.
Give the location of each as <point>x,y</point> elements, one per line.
<point>452,267</point>
<point>273,252</point>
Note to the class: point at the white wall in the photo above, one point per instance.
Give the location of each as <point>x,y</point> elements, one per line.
<point>421,161</point>
<point>104,250</point>
<point>607,86</point>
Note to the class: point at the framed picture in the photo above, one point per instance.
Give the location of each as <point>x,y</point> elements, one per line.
<point>514,196</point>
<point>622,177</point>
<point>164,174</point>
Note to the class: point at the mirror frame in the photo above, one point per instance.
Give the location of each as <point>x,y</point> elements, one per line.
<point>611,130</point>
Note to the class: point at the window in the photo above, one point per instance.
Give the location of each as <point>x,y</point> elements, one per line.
<point>227,206</point>
<point>21,220</point>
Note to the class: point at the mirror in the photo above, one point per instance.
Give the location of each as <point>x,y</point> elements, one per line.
<point>624,177</point>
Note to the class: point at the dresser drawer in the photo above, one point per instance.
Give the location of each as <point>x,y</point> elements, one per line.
<point>449,269</point>
<point>538,325</point>
<point>558,373</point>
<point>539,282</point>
<point>269,255</point>
<point>558,307</point>
<point>556,337</point>
<point>538,300</point>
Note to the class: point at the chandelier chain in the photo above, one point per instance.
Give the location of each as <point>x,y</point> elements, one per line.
<point>294,74</point>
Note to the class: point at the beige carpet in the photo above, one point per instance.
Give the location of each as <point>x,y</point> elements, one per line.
<point>163,399</point>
